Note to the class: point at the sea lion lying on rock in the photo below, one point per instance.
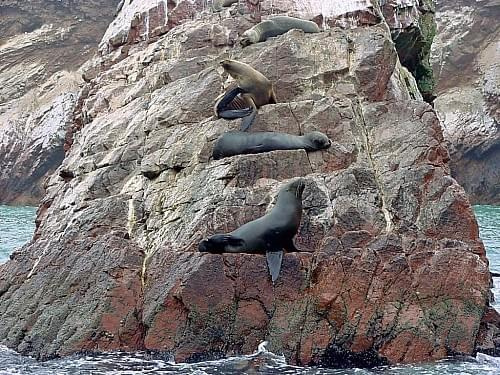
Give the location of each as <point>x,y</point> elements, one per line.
<point>250,91</point>
<point>276,26</point>
<point>237,143</point>
<point>217,5</point>
<point>269,234</point>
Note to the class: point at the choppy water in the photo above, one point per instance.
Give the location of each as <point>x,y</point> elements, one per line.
<point>488,218</point>
<point>259,363</point>
<point>16,227</point>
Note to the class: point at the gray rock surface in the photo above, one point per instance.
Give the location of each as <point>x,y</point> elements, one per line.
<point>466,64</point>
<point>42,44</point>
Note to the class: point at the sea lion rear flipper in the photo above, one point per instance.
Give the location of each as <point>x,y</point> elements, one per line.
<point>274,259</point>
<point>248,120</point>
<point>231,114</point>
<point>228,97</point>
<point>272,98</point>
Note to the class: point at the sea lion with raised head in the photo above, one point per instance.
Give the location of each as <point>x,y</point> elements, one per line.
<point>242,99</point>
<point>276,26</point>
<point>269,234</point>
<point>238,143</point>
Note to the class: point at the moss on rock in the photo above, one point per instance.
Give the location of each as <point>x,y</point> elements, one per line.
<point>414,45</point>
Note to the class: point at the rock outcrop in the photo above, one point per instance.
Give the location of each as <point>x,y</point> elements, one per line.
<point>42,44</point>
<point>466,64</point>
<point>391,268</point>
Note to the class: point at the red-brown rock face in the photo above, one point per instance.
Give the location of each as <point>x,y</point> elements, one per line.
<point>391,268</point>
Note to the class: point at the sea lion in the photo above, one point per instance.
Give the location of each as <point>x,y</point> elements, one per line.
<point>237,143</point>
<point>269,234</point>
<point>217,5</point>
<point>250,91</point>
<point>276,26</point>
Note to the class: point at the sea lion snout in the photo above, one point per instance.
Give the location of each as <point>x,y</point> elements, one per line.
<point>203,246</point>
<point>245,41</point>
<point>319,140</point>
<point>225,63</point>
<point>297,187</point>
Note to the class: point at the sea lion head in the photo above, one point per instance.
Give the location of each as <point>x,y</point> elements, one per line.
<point>250,36</point>
<point>319,141</point>
<point>296,187</point>
<point>218,243</point>
<point>205,246</point>
<point>235,68</point>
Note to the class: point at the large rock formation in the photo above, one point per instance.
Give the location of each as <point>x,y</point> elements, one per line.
<point>42,44</point>
<point>466,64</point>
<point>391,268</point>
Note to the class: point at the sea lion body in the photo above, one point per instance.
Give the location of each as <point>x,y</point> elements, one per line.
<point>254,84</point>
<point>238,143</point>
<point>269,234</point>
<point>242,99</point>
<point>276,26</point>
<point>217,5</point>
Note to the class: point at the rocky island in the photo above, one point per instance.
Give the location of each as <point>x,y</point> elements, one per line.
<point>391,267</point>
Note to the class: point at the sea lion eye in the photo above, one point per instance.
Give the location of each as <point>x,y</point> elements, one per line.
<point>245,41</point>
<point>319,142</point>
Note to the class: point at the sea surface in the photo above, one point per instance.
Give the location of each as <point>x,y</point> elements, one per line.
<point>16,228</point>
<point>17,225</point>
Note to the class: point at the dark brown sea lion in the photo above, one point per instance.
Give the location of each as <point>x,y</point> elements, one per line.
<point>238,143</point>
<point>276,26</point>
<point>270,234</point>
<point>250,91</point>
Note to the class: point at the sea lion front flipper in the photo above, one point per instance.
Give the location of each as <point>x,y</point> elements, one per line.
<point>248,120</point>
<point>290,246</point>
<point>256,149</point>
<point>274,259</point>
<point>232,114</point>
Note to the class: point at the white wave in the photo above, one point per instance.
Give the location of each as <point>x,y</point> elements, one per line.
<point>488,360</point>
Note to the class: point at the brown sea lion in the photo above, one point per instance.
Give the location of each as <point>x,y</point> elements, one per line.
<point>276,26</point>
<point>250,91</point>
<point>269,234</point>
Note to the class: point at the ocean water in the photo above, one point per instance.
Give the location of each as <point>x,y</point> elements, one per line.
<point>17,225</point>
<point>16,228</point>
